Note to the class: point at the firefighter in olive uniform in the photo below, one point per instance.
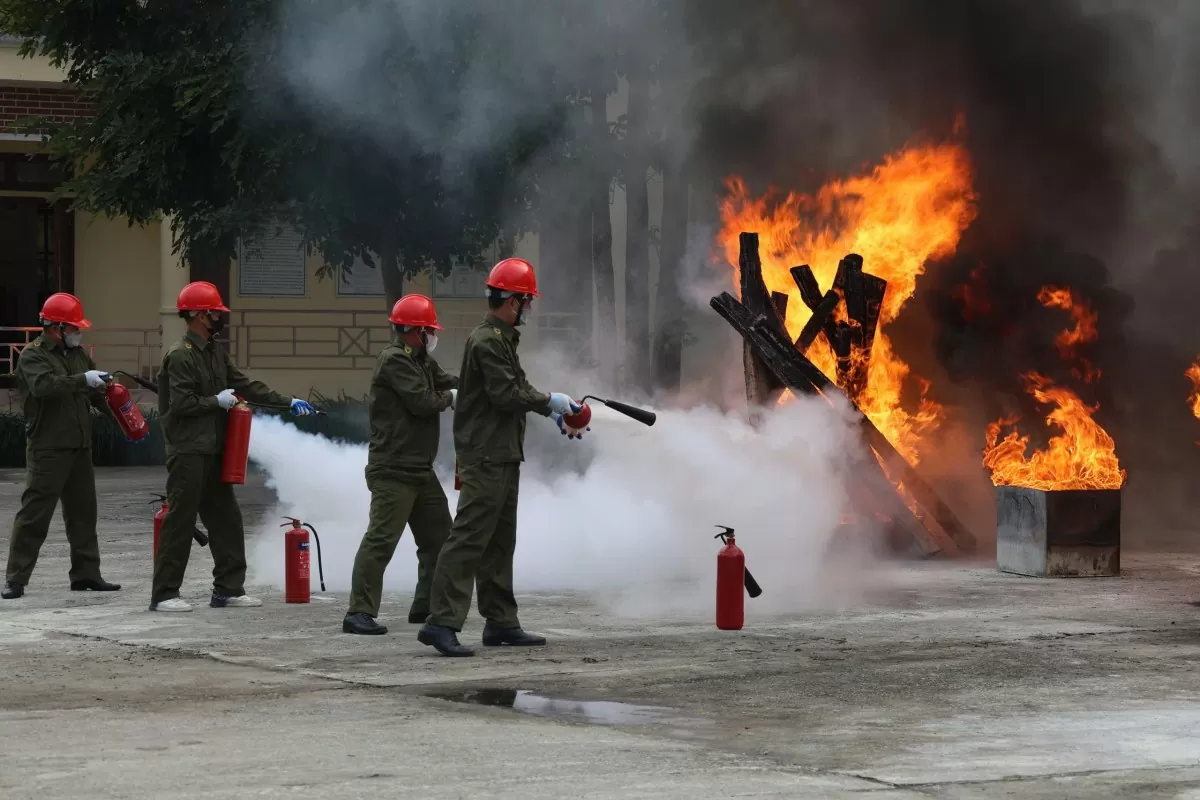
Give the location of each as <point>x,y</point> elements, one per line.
<point>408,392</point>
<point>489,433</point>
<point>196,386</point>
<point>59,384</point>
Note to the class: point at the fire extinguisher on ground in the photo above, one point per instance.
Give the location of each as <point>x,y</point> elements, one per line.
<point>297,578</point>
<point>160,515</point>
<point>237,443</point>
<point>732,580</point>
<point>126,412</point>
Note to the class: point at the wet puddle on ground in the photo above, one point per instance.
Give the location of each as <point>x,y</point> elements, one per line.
<point>600,712</point>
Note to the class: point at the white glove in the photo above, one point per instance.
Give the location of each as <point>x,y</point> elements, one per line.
<point>226,399</point>
<point>453,397</point>
<point>562,404</point>
<point>95,378</point>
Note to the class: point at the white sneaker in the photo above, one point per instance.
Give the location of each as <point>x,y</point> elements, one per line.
<point>241,601</point>
<point>174,604</point>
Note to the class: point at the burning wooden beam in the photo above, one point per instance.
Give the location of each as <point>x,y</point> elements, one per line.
<point>762,387</point>
<point>777,362</point>
<point>793,370</point>
<point>821,316</point>
<point>864,301</point>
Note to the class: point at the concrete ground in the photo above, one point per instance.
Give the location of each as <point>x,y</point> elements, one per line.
<point>954,682</point>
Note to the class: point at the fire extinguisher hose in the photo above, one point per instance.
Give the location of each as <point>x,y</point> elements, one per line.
<point>153,387</point>
<point>317,539</point>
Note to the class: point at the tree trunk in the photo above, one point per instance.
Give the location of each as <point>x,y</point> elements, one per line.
<point>388,264</point>
<point>582,229</point>
<point>670,326</point>
<point>600,183</point>
<point>211,262</point>
<point>637,244</point>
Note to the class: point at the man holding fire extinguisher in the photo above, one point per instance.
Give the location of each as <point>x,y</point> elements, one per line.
<point>489,436</point>
<point>58,382</point>
<point>197,384</point>
<point>409,390</point>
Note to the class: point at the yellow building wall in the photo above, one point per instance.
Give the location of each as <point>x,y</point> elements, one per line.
<point>117,280</point>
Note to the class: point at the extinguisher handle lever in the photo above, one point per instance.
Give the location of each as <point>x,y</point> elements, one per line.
<point>726,531</point>
<point>159,498</point>
<point>295,522</point>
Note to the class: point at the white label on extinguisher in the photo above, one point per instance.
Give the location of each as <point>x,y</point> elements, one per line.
<point>302,559</point>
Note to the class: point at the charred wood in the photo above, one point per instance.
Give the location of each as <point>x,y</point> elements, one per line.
<point>806,282</point>
<point>792,369</point>
<point>780,301</point>
<point>821,315</point>
<point>762,386</point>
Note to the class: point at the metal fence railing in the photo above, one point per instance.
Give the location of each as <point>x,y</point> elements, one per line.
<point>276,339</point>
<point>133,350</point>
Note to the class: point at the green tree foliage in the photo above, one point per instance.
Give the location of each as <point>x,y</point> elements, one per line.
<point>199,115</point>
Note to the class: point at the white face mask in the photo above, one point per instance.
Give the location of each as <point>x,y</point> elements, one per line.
<point>430,342</point>
<point>525,313</point>
<point>73,339</point>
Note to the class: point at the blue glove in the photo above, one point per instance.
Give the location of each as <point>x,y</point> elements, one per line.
<point>302,408</point>
<point>567,430</point>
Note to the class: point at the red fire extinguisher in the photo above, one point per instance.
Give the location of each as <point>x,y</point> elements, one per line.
<point>237,443</point>
<point>125,411</point>
<point>732,579</point>
<point>731,568</point>
<point>457,480</point>
<point>297,579</point>
<point>160,515</point>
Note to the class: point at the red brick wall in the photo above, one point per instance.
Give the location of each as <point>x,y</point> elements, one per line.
<point>57,104</point>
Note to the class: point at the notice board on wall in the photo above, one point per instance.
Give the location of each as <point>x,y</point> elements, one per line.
<point>360,280</point>
<point>273,264</point>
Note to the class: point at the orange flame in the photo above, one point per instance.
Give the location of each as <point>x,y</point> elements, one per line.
<point>1084,332</point>
<point>1083,456</point>
<point>1193,372</point>
<point>911,208</point>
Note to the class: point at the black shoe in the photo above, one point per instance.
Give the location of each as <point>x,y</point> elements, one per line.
<point>96,585</point>
<point>416,619</point>
<point>494,636</point>
<point>362,623</point>
<point>444,640</point>
<point>12,591</point>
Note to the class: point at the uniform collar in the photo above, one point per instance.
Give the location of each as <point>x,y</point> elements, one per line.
<point>503,328</point>
<point>409,350</point>
<point>48,343</point>
<point>196,339</point>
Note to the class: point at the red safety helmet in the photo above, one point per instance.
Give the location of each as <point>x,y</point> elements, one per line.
<point>66,309</point>
<point>514,275</point>
<point>416,310</point>
<point>200,296</point>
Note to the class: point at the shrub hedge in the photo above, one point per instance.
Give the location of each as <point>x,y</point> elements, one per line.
<point>345,419</point>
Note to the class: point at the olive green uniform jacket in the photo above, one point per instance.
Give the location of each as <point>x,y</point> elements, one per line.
<point>409,391</point>
<point>193,372</point>
<point>56,402</point>
<point>489,437</point>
